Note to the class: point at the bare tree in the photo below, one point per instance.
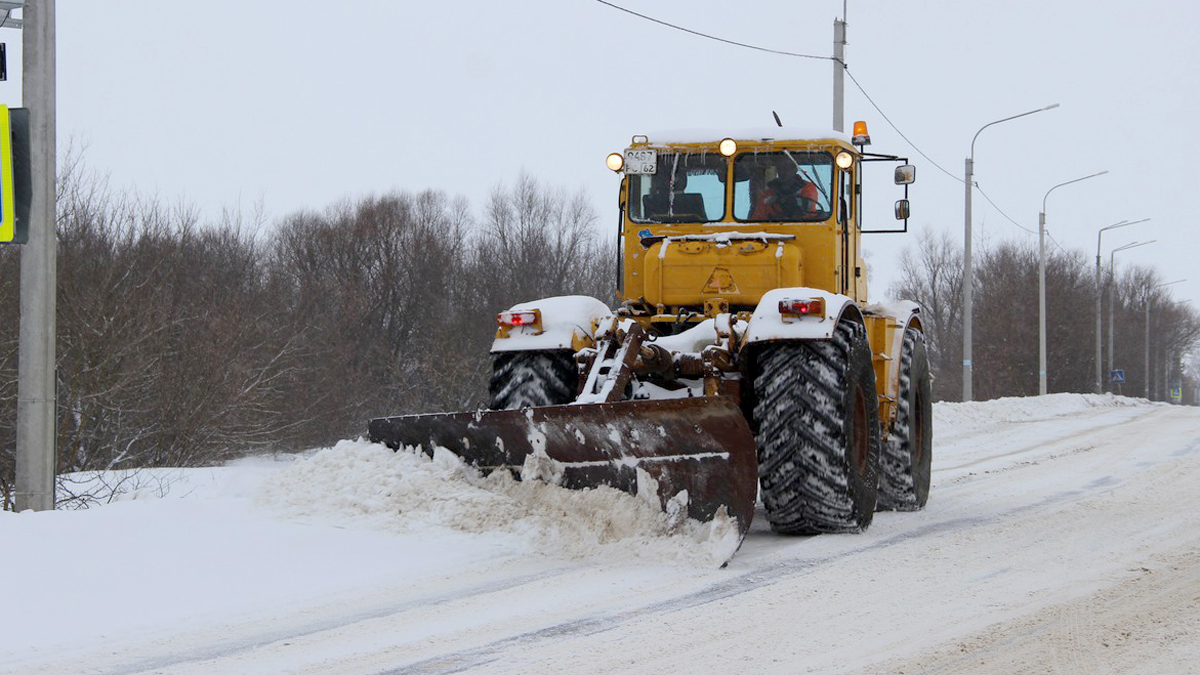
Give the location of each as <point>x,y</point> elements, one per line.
<point>542,242</point>
<point>169,350</point>
<point>931,276</point>
<point>1006,316</point>
<point>183,343</point>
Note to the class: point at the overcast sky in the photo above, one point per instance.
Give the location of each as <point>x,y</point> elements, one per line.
<point>298,104</point>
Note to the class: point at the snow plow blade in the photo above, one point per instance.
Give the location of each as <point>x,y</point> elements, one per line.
<point>701,445</point>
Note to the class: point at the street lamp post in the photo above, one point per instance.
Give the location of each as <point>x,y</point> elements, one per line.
<point>1149,301</point>
<point>1111,258</point>
<point>36,399</point>
<point>968,275</point>
<point>1099,296</point>
<point>1042,282</point>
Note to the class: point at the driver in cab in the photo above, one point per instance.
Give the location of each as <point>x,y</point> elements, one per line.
<point>787,197</point>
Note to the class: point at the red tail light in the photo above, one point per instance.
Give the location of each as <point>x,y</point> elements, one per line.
<point>526,318</point>
<point>807,307</point>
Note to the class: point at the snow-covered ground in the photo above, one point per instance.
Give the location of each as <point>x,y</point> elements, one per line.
<point>1062,535</point>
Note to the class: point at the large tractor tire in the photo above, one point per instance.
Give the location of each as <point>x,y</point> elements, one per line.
<point>906,457</point>
<point>532,379</point>
<point>816,425</point>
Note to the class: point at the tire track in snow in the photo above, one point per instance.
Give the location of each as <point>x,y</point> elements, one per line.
<point>775,572</point>
<point>1039,446</point>
<point>1146,623</point>
<point>224,648</point>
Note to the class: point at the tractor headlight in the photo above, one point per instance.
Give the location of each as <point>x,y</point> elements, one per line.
<point>615,161</point>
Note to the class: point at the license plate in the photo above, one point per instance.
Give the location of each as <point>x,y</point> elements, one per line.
<point>641,161</point>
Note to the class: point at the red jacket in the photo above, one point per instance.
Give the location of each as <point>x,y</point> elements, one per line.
<point>780,200</point>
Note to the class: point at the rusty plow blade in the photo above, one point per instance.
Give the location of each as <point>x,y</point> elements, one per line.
<point>701,445</point>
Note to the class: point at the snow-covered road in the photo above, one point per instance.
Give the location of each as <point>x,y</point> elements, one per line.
<point>1062,535</point>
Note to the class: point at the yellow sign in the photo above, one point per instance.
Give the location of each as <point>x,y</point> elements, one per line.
<point>8,211</point>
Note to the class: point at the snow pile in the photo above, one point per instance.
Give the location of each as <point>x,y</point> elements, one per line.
<point>970,415</point>
<point>366,485</point>
<point>237,478</point>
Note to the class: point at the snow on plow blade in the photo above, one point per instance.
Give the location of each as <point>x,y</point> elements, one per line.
<point>701,445</point>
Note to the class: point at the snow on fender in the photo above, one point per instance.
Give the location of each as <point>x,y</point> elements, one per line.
<point>768,324</point>
<point>565,322</point>
<point>902,314</point>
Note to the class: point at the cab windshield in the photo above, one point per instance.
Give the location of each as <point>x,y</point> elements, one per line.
<point>783,186</point>
<point>687,188</point>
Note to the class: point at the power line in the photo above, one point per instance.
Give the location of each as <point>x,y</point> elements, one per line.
<point>893,126</point>
<point>713,37</point>
<point>927,157</point>
<point>1060,247</point>
<point>786,53</point>
<point>852,79</point>
<point>1001,211</point>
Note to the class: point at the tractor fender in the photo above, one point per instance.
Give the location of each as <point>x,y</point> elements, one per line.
<point>901,316</point>
<point>564,322</point>
<point>768,325</point>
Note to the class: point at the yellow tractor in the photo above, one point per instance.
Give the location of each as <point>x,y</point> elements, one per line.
<point>743,358</point>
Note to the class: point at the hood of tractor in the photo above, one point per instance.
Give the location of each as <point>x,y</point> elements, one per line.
<point>734,267</point>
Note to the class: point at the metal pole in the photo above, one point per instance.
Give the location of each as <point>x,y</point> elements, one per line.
<point>839,74</point>
<point>35,378</point>
<point>967,289</point>
<point>1111,292</point>
<point>1099,292</point>
<point>1145,364</point>
<point>968,271</point>
<point>1042,303</point>
<point>1146,360</point>
<point>1042,282</point>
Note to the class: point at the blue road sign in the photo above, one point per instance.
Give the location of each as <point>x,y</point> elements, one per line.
<point>1118,376</point>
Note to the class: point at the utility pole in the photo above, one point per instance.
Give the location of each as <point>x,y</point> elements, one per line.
<point>1042,283</point>
<point>35,379</point>
<point>1146,361</point>
<point>1099,387</point>
<point>839,72</point>
<point>968,293</point>
<point>1112,256</point>
<point>968,271</point>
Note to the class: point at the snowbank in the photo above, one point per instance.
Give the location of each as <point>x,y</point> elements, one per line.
<point>968,416</point>
<point>358,484</point>
<point>237,478</point>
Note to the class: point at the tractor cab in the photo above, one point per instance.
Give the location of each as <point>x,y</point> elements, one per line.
<point>711,223</point>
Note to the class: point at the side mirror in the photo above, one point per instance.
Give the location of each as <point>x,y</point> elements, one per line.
<point>906,175</point>
<point>902,209</point>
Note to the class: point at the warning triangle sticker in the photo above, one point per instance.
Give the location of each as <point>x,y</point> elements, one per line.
<point>720,281</point>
